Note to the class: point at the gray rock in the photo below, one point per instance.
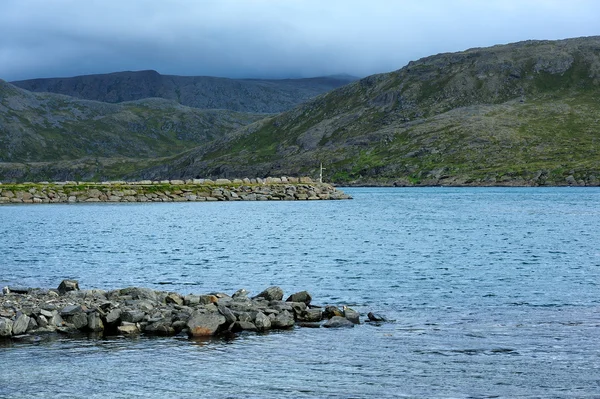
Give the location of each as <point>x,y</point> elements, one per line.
<point>240,294</point>
<point>162,328</point>
<point>42,321</point>
<point>338,322</point>
<point>113,317</point>
<point>311,315</point>
<point>272,294</point>
<point>190,300</point>
<point>227,313</point>
<point>352,315</point>
<point>70,310</point>
<point>128,329</point>
<point>33,325</point>
<point>262,322</point>
<point>6,326</point>
<point>205,324</point>
<point>243,326</point>
<point>45,313</point>
<point>79,320</point>
<point>5,291</point>
<point>283,320</point>
<point>56,320</point>
<point>95,322</point>
<point>68,285</point>
<point>375,317</point>
<point>20,325</point>
<point>302,296</point>
<point>132,316</point>
<point>175,298</point>
<point>332,311</point>
<point>207,299</point>
<point>139,293</point>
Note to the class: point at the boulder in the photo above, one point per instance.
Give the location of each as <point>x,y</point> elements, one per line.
<point>70,310</point>
<point>352,315</point>
<point>332,311</point>
<point>79,320</point>
<point>6,326</point>
<point>243,326</point>
<point>139,293</point>
<point>271,294</point>
<point>338,322</point>
<point>95,322</point>
<point>175,298</point>
<point>205,324</point>
<point>162,328</point>
<point>262,322</point>
<point>20,325</point>
<point>42,321</point>
<point>375,317</point>
<point>227,313</point>
<point>311,315</point>
<point>302,296</point>
<point>132,315</point>
<point>283,320</point>
<point>128,329</point>
<point>241,294</point>
<point>113,317</point>
<point>68,285</point>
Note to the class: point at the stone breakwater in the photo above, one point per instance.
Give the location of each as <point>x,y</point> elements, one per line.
<point>27,312</point>
<point>269,189</point>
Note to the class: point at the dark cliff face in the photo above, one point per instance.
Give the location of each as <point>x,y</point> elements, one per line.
<point>523,113</point>
<point>243,95</point>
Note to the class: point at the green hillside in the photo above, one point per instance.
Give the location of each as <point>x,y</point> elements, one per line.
<point>520,114</point>
<point>63,132</point>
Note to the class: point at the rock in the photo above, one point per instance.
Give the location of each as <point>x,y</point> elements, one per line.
<point>190,300</point>
<point>207,299</point>
<point>95,322</point>
<point>42,321</point>
<point>227,313</point>
<point>311,315</point>
<point>375,317</point>
<point>309,324</point>
<point>5,291</point>
<point>262,322</point>
<point>132,316</point>
<point>302,296</point>
<point>243,326</point>
<point>128,329</point>
<point>46,313</point>
<point>20,325</point>
<point>56,320</point>
<point>240,294</point>
<point>79,320</point>
<point>162,328</point>
<point>6,326</point>
<point>113,317</point>
<point>175,298</point>
<point>352,315</point>
<point>332,311</point>
<point>272,294</point>
<point>282,320</point>
<point>68,285</point>
<point>70,310</point>
<point>205,324</point>
<point>139,293</point>
<point>338,322</point>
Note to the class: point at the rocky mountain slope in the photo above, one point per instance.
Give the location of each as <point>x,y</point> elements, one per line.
<point>243,95</point>
<point>520,114</point>
<point>54,132</point>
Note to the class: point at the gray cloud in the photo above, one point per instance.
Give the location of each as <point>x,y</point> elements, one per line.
<point>266,38</point>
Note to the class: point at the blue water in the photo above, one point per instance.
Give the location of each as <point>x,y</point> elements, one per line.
<point>494,292</point>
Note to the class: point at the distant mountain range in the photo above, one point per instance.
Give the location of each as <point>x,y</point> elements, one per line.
<point>526,113</point>
<point>242,95</point>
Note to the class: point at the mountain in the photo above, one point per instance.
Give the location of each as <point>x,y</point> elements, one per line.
<point>242,95</point>
<point>526,113</point>
<point>44,129</point>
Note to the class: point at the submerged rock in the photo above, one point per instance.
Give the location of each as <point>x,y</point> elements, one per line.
<point>338,322</point>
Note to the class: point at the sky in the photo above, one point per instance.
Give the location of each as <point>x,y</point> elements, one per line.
<point>267,38</point>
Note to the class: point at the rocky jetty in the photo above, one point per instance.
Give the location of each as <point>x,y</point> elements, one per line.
<point>31,312</point>
<point>269,189</point>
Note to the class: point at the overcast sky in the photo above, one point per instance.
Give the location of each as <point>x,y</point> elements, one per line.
<point>266,38</point>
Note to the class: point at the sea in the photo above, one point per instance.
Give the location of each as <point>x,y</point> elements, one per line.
<point>488,293</point>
